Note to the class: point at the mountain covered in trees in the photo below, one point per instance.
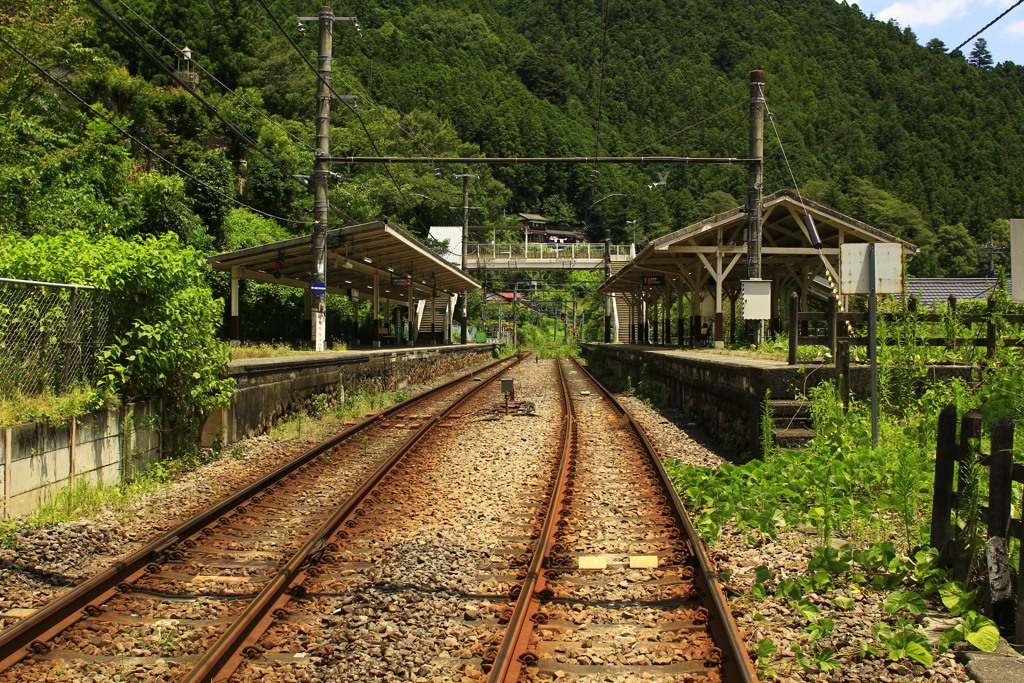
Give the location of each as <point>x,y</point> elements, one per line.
<point>918,140</point>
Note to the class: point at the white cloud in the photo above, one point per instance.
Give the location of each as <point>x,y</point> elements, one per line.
<point>925,12</point>
<point>1016,28</point>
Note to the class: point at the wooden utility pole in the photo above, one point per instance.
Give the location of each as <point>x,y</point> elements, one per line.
<point>321,171</point>
<point>465,246</point>
<point>755,182</point>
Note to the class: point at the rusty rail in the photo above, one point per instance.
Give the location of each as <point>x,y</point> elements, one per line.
<point>507,661</point>
<point>239,641</point>
<point>32,633</point>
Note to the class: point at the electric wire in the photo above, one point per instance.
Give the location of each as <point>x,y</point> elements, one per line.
<point>924,72</point>
<point>134,139</point>
<point>127,30</point>
<point>320,78</point>
<point>210,75</point>
<point>683,130</point>
<point>371,55</point>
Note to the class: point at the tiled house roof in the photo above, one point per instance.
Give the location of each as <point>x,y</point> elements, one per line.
<point>931,291</point>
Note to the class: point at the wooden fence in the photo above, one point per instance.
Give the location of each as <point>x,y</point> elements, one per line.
<point>953,492</point>
<point>839,327</point>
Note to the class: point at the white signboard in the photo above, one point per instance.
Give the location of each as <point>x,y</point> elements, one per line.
<point>853,268</point>
<point>757,299</point>
<point>1017,259</point>
<point>453,235</point>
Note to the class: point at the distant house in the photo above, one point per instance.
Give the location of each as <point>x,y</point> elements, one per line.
<point>931,291</point>
<point>504,297</point>
<point>537,229</point>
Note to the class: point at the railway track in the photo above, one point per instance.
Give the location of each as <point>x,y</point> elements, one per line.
<point>618,585</point>
<point>187,605</point>
<point>507,540</point>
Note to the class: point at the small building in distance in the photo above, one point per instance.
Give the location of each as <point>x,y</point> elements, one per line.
<point>934,291</point>
<point>538,229</point>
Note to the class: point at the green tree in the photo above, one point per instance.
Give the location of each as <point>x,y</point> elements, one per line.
<point>980,56</point>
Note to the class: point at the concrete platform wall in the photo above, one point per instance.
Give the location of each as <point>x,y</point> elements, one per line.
<point>723,394</point>
<point>268,389</point>
<point>103,447</point>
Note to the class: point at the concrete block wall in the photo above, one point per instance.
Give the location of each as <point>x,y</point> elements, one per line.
<point>38,460</point>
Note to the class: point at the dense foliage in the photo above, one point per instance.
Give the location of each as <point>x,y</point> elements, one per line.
<point>932,160</point>
<point>163,315</point>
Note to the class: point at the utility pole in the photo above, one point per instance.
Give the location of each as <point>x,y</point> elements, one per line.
<point>465,175</point>
<point>322,171</point>
<point>608,297</point>
<point>755,181</point>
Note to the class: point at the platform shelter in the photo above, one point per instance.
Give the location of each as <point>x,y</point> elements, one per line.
<point>376,261</point>
<point>705,263</point>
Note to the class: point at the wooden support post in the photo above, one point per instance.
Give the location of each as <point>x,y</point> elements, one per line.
<point>1000,488</point>
<point>843,370</point>
<point>970,432</point>
<point>942,492</point>
<point>794,326</point>
<point>990,330</point>
<point>832,311</point>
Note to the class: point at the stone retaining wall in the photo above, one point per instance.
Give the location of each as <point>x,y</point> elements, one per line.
<point>723,394</point>
<point>268,389</point>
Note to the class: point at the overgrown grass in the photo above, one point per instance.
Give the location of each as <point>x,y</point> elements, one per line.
<point>277,350</point>
<point>52,408</point>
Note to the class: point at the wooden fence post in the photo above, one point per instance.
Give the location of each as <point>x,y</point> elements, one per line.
<point>970,429</point>
<point>832,310</point>
<point>990,329</point>
<point>1000,488</point>
<point>794,326</point>
<point>942,494</point>
<point>843,370</point>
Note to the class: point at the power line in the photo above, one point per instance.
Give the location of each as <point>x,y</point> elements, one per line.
<point>394,99</point>
<point>131,137</point>
<point>683,130</point>
<point>219,82</point>
<point>355,111</point>
<point>127,30</point>
<point>924,72</point>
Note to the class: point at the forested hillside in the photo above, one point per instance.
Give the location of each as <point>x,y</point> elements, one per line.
<point>936,160</point>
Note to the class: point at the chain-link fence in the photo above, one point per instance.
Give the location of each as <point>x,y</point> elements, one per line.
<point>50,335</point>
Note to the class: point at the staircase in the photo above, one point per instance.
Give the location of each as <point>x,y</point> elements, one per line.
<point>791,420</point>
<point>432,315</point>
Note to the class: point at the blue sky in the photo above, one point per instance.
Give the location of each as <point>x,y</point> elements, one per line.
<point>954,21</point>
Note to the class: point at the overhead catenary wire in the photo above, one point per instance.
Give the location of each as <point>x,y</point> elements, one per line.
<point>683,130</point>
<point>355,111</point>
<point>394,99</point>
<point>921,74</point>
<point>127,30</point>
<point>210,75</point>
<point>134,139</point>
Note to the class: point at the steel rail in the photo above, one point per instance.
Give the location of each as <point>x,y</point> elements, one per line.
<point>736,664</point>
<point>505,664</point>
<point>30,634</point>
<point>220,661</point>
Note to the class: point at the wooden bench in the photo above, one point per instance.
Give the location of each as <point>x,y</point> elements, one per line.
<point>384,336</point>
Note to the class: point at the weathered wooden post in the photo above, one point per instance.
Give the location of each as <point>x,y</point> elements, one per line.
<point>794,326</point>
<point>990,331</point>
<point>832,316</point>
<point>843,370</point>
<point>942,492</point>
<point>970,432</point>
<point>1000,488</point>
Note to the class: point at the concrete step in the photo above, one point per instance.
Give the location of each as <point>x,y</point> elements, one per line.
<point>793,438</point>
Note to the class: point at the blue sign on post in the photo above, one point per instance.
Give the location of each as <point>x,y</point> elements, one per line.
<point>318,288</point>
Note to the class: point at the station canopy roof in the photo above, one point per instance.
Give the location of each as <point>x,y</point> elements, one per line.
<point>691,255</point>
<point>355,254</point>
